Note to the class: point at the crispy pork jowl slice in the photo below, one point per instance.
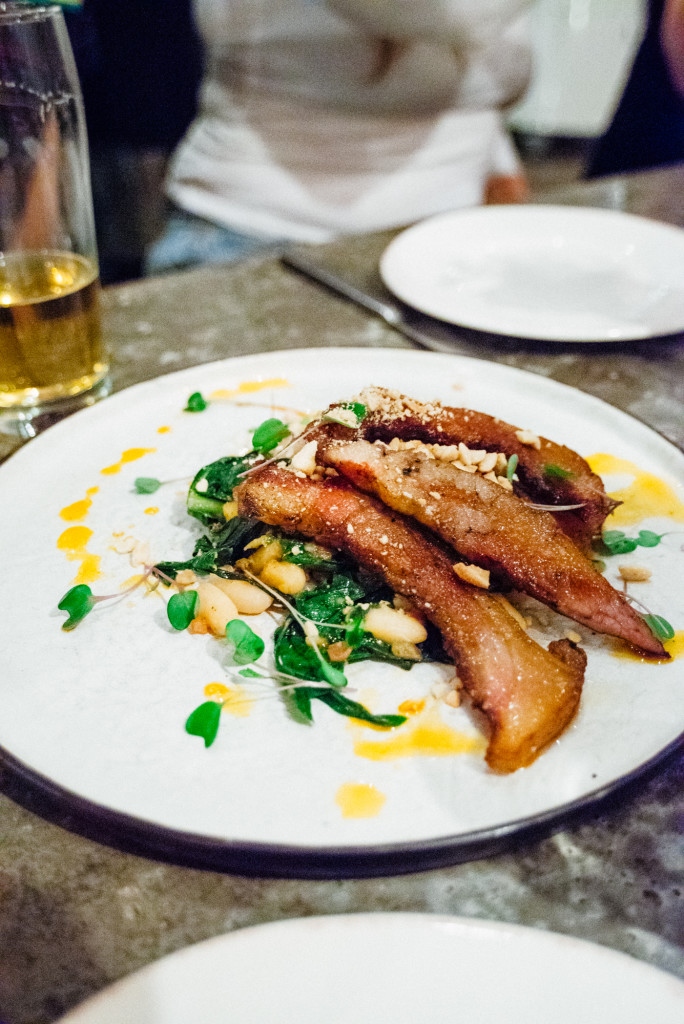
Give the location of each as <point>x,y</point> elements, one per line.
<point>527,694</point>
<point>492,528</point>
<point>549,473</point>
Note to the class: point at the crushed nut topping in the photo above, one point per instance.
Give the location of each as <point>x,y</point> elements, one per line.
<point>472,574</point>
<point>527,437</point>
<point>634,573</point>
<point>491,465</point>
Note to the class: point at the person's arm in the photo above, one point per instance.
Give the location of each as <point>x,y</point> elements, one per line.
<point>672,41</point>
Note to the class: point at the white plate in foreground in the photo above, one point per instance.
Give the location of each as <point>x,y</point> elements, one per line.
<point>365,968</point>
<point>92,721</point>
<point>548,273</point>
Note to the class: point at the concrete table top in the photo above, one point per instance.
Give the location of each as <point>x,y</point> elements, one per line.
<point>75,916</point>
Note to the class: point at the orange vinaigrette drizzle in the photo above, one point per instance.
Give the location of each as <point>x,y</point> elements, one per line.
<point>359,800</point>
<point>674,647</point>
<point>647,495</point>
<point>427,735</point>
<point>130,455</point>
<point>73,542</point>
<point>79,509</point>
<point>249,387</point>
<point>234,700</point>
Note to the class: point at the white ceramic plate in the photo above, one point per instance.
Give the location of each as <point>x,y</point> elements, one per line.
<point>92,721</point>
<point>550,273</point>
<point>360,969</point>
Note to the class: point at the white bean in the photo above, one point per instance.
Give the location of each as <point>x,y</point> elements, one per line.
<point>215,607</point>
<point>393,625</point>
<point>247,598</point>
<point>286,577</point>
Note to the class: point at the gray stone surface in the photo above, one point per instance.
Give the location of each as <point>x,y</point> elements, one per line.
<point>75,916</point>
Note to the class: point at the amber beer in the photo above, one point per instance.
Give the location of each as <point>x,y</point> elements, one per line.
<point>50,337</point>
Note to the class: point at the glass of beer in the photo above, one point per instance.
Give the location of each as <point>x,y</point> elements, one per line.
<point>50,334</point>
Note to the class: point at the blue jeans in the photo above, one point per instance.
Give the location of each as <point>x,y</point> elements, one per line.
<point>189,241</point>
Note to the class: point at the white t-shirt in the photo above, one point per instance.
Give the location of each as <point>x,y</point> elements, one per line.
<point>327,117</point>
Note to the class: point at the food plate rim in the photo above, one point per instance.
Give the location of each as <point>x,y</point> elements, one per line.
<point>142,837</point>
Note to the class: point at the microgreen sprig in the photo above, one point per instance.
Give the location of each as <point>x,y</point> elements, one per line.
<point>79,601</point>
<point>244,644</point>
<point>331,674</point>
<point>181,609</point>
<point>658,625</point>
<point>268,435</point>
<point>196,402</point>
<point>150,484</point>
<point>557,472</point>
<point>618,543</point>
<point>146,484</point>
<point>347,414</point>
<point>204,721</point>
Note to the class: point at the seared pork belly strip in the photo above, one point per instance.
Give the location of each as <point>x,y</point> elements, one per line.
<point>494,529</point>
<point>527,694</point>
<point>550,474</point>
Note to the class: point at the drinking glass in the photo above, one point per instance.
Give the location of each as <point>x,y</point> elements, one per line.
<point>50,334</point>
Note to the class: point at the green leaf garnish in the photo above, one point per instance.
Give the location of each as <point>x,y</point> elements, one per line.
<point>311,556</point>
<point>511,467</point>
<point>246,646</point>
<point>557,472</point>
<point>348,414</point>
<point>618,543</point>
<point>351,708</point>
<point>146,484</point>
<point>196,402</point>
<point>328,602</point>
<point>660,626</point>
<point>212,486</point>
<point>181,609</point>
<point>648,539</point>
<point>204,721</point>
<point>332,675</point>
<point>269,434</point>
<point>78,602</point>
<point>249,673</point>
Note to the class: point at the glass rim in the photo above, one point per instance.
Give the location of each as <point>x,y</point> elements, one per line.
<point>12,12</point>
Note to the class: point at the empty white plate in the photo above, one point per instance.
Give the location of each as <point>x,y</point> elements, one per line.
<point>403,968</point>
<point>548,273</point>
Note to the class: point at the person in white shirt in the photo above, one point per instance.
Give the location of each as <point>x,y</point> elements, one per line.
<point>320,118</point>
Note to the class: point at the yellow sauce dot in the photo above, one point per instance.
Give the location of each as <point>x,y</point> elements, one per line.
<point>215,690</point>
<point>426,736</point>
<point>359,800</point>
<point>647,495</point>
<point>151,511</point>
<point>674,647</point>
<point>248,387</point>
<point>73,542</point>
<point>74,538</point>
<point>163,430</point>
<point>79,509</point>
<point>234,699</point>
<point>411,707</point>
<point>130,455</point>
<point>132,581</point>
